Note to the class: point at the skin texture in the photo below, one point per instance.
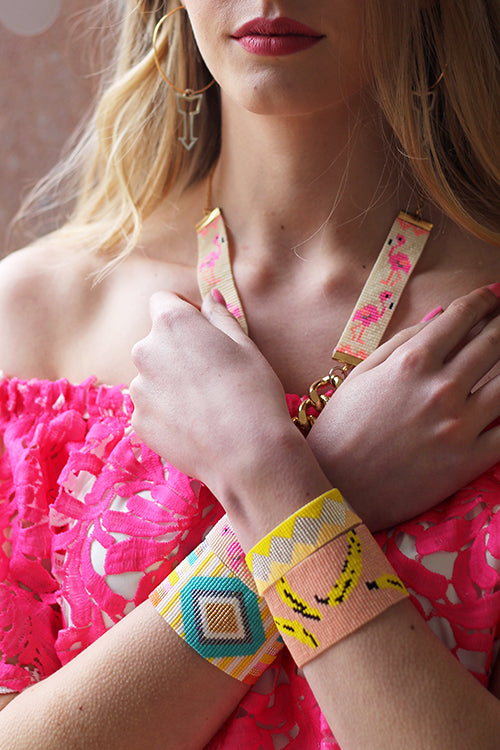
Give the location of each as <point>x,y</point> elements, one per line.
<point>308,190</point>
<point>446,372</point>
<point>102,699</point>
<point>274,86</point>
<point>422,686</point>
<point>442,414</point>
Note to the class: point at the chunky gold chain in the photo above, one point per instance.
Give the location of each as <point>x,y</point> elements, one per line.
<point>318,396</point>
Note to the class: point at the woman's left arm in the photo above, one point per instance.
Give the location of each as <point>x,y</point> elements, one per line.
<point>417,409</point>
<point>391,683</point>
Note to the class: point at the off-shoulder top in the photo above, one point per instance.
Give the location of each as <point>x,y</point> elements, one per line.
<point>92,520</point>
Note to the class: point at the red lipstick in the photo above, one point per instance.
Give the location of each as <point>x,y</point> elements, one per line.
<point>276,37</point>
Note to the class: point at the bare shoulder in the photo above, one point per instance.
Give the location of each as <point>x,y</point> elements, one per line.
<point>42,288</point>
<point>57,321</point>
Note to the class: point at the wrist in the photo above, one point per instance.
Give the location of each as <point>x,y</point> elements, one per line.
<point>276,477</point>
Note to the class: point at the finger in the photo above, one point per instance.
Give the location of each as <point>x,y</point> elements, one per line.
<point>484,404</point>
<point>385,350</point>
<point>478,355</point>
<point>388,347</point>
<point>171,316</point>
<point>488,449</point>
<point>215,311</point>
<point>450,329</point>
<point>165,302</point>
<point>432,314</point>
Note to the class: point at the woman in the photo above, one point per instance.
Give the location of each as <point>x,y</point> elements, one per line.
<point>325,121</point>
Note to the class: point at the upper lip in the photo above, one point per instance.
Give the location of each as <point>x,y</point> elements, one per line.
<point>274,27</point>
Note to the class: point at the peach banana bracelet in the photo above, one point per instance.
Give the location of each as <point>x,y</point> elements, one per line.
<point>323,576</point>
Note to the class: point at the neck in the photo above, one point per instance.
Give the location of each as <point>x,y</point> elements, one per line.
<point>309,182</point>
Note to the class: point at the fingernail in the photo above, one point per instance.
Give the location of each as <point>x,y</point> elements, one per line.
<point>495,288</point>
<point>218,297</point>
<point>432,314</point>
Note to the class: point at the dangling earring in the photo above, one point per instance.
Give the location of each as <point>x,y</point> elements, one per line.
<point>431,93</point>
<point>194,98</point>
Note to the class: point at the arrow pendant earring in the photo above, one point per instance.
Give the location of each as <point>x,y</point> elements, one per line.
<point>188,138</point>
<point>189,102</point>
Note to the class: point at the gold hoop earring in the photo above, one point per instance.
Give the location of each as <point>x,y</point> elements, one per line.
<point>431,92</point>
<point>183,96</point>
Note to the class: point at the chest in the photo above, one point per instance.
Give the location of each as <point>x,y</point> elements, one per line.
<point>298,323</point>
<point>295,318</point>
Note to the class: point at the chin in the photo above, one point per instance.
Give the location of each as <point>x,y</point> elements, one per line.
<point>274,94</point>
<point>266,98</point>
<point>258,103</point>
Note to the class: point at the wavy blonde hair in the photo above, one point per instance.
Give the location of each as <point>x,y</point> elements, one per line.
<point>128,159</point>
<point>436,75</point>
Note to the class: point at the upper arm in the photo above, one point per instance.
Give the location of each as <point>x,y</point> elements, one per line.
<point>28,299</point>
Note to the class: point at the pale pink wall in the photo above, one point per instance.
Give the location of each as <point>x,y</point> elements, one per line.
<point>44,90</point>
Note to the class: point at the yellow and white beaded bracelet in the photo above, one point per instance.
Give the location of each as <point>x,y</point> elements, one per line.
<point>210,600</point>
<point>314,525</point>
<point>332,590</point>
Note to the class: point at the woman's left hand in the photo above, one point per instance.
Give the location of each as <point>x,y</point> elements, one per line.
<point>408,428</point>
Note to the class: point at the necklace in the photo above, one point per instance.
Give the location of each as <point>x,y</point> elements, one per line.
<point>371,314</point>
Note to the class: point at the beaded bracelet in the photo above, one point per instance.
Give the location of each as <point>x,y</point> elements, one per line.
<point>297,537</point>
<point>210,600</point>
<point>333,590</point>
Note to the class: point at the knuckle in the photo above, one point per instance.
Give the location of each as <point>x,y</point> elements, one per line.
<point>465,307</point>
<point>168,318</point>
<point>134,419</point>
<point>141,414</point>
<point>158,301</point>
<point>450,432</point>
<point>473,306</point>
<point>136,391</point>
<point>163,317</point>
<point>412,357</point>
<point>443,395</point>
<point>139,354</point>
<point>444,409</point>
<point>492,336</point>
<point>139,427</point>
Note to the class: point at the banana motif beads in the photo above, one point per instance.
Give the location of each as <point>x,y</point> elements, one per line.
<point>332,587</point>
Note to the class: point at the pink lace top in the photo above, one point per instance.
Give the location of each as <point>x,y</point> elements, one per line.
<point>91,520</point>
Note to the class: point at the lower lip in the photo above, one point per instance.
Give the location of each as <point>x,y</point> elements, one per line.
<point>277,46</point>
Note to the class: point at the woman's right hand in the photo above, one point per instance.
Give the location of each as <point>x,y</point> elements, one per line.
<point>408,426</point>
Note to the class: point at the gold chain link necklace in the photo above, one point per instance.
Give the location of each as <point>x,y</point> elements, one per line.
<point>371,314</point>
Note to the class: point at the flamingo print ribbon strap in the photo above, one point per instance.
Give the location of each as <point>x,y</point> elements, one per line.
<point>332,593</point>
<point>374,308</point>
<point>305,531</point>
<point>217,612</point>
<point>214,264</point>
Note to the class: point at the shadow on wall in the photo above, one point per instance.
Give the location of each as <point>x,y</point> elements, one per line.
<point>45,89</point>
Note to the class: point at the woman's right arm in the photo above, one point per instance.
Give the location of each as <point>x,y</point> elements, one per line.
<point>139,683</point>
<point>137,686</point>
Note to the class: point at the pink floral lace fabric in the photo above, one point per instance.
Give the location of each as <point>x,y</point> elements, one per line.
<point>91,521</point>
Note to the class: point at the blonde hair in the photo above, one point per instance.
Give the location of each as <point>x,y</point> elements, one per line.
<point>129,158</point>
<point>435,70</point>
